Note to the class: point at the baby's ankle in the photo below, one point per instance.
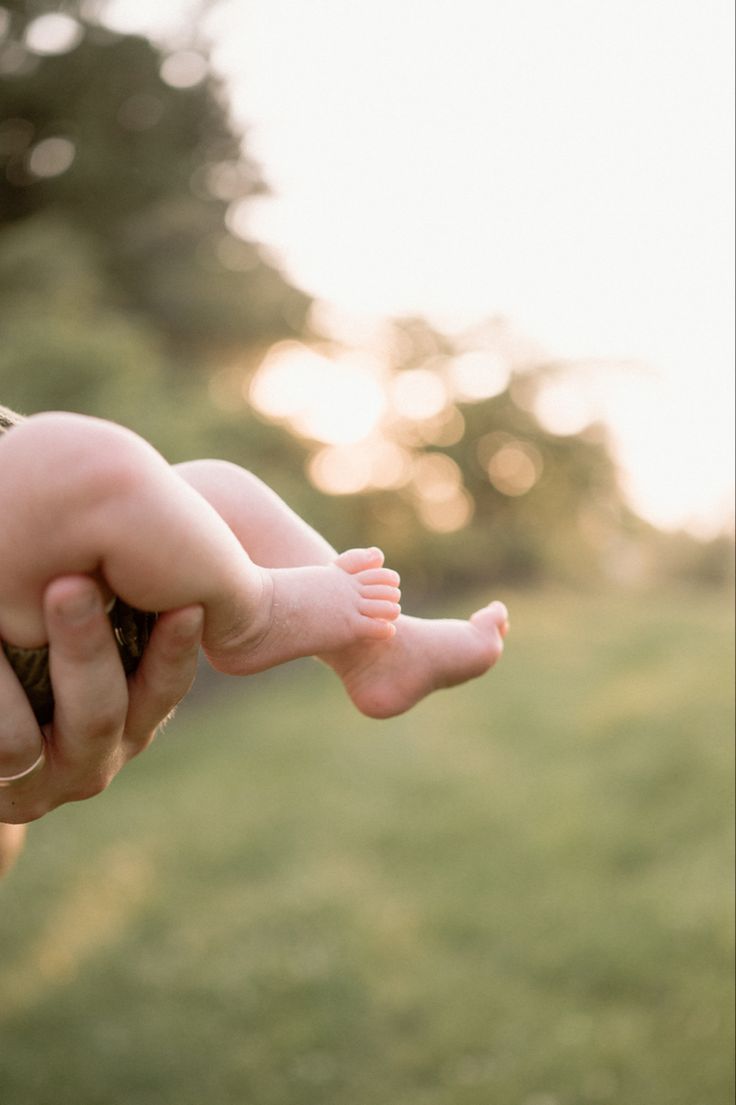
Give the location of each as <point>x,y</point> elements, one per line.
<point>248,622</point>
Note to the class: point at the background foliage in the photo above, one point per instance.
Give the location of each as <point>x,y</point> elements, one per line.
<point>517,895</point>
<point>124,293</point>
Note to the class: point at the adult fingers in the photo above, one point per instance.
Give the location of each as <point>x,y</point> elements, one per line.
<point>164,675</point>
<point>19,733</point>
<point>82,744</point>
<point>20,744</point>
<point>90,690</point>
<point>101,719</point>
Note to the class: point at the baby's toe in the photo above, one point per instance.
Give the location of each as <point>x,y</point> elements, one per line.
<point>381,591</point>
<point>380,577</point>
<point>495,616</point>
<point>358,560</point>
<point>492,623</point>
<point>376,629</point>
<point>379,608</point>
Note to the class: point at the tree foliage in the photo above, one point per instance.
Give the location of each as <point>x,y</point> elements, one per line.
<point>124,293</point>
<point>153,171</point>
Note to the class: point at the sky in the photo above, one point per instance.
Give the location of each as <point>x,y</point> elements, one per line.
<point>566,163</point>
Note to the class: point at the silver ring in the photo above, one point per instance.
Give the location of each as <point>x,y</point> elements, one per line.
<point>8,780</point>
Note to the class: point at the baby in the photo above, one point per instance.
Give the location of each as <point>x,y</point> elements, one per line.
<point>82,495</point>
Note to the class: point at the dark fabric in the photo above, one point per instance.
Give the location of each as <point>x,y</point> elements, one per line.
<point>132,632</point>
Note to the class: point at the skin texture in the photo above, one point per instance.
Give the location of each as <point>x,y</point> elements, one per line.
<point>86,496</point>
<point>251,582</point>
<point>93,735</point>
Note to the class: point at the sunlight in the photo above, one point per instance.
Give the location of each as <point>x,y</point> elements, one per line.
<point>446,428</point>
<point>437,477</point>
<point>447,516</point>
<point>418,393</point>
<point>281,386</point>
<point>561,408</point>
<point>53,33</point>
<point>477,376</point>
<point>391,465</point>
<point>333,401</point>
<point>348,469</point>
<point>443,504</point>
<point>340,470</point>
<point>513,186</point>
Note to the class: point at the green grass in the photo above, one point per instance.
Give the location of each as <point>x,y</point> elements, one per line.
<point>518,894</point>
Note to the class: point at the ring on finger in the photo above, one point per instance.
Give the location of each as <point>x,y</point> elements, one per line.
<point>9,780</point>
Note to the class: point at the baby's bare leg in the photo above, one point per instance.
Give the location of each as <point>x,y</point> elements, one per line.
<point>274,535</point>
<point>84,496</point>
<point>80,495</point>
<point>383,678</point>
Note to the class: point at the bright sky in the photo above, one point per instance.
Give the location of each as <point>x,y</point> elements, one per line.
<point>567,163</point>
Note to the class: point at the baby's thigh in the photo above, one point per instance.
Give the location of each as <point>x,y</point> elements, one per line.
<point>60,474</point>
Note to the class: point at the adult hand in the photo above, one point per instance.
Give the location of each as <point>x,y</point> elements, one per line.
<point>101,720</point>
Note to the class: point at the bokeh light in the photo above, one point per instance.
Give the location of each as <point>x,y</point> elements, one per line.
<point>478,375</point>
<point>437,477</point>
<point>512,466</point>
<point>418,393</point>
<point>53,33</point>
<point>442,502</point>
<point>51,157</point>
<point>227,180</point>
<point>349,469</point>
<point>447,428</point>
<point>561,408</point>
<point>334,401</point>
<point>184,69</point>
<point>340,470</point>
<point>449,515</point>
<point>515,468</point>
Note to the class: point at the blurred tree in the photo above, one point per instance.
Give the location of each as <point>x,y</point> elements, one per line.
<point>124,293</point>
<point>488,493</point>
<point>145,171</point>
<point>121,287</point>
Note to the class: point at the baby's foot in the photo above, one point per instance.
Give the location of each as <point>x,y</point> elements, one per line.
<point>312,610</point>
<point>388,677</point>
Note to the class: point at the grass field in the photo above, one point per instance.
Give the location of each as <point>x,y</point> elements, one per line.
<point>518,894</point>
